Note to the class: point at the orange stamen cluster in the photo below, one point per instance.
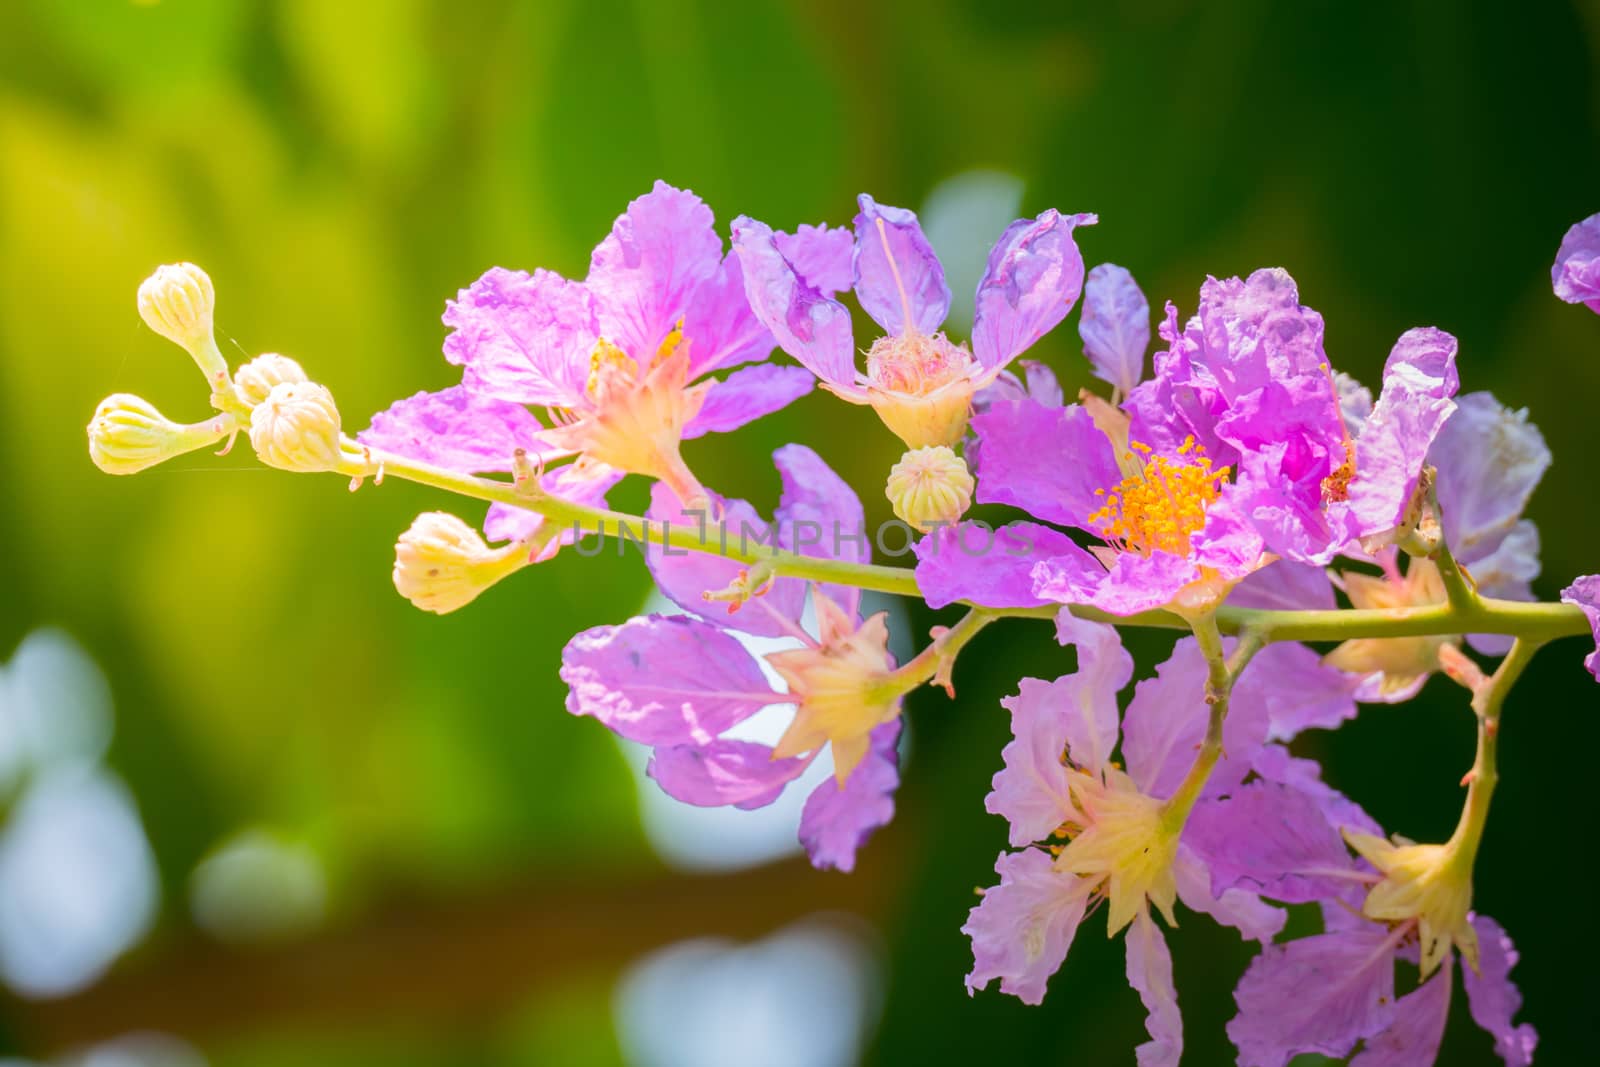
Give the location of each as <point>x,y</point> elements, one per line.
<point>1160,508</point>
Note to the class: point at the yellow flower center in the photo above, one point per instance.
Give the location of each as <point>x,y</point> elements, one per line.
<point>1123,846</point>
<point>1160,506</point>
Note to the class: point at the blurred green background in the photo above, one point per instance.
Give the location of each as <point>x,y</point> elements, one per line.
<point>375,834</point>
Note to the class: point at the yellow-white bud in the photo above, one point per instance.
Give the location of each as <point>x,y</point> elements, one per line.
<point>177,302</point>
<point>441,563</point>
<point>296,428</point>
<point>930,486</point>
<point>128,434</point>
<point>256,378</point>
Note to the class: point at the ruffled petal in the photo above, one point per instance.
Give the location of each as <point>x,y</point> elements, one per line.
<point>1490,460</point>
<point>1576,273</point>
<point>1150,974</point>
<point>1034,277</point>
<point>718,325</point>
<point>1247,913</point>
<point>1301,692</point>
<point>1115,326</point>
<point>1285,586</point>
<point>811,327</point>
<point>1418,1028</point>
<point>664,680</point>
<point>895,265</point>
<point>1274,764</point>
<point>819,515</point>
<point>1272,840</point>
<point>458,430</point>
<point>746,395</point>
<point>1022,461</point>
<point>1132,584</point>
<point>658,252</point>
<point>1418,382</point>
<point>821,256</point>
<point>836,821</point>
<point>973,561</point>
<point>684,575</point>
<point>1492,998</point>
<point>523,337</point>
<point>740,773</point>
<point>1585,593</point>
<point>1318,994</point>
<point>1022,929</point>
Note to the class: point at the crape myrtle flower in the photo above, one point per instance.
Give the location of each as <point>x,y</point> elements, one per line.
<point>919,382</point>
<point>1332,992</point>
<point>1576,273</point>
<point>619,364</point>
<point>681,684</point>
<point>1090,830</point>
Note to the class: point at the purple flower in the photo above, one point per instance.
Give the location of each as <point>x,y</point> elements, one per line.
<point>1576,274</point>
<point>619,363</point>
<point>1585,593</point>
<point>920,383</point>
<point>1122,848</point>
<point>684,685</point>
<point>1115,326</point>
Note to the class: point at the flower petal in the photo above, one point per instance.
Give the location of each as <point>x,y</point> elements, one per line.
<point>1134,583</point>
<point>1418,382</point>
<point>1255,919</point>
<point>658,252</point>
<point>1493,1000</point>
<point>664,680</point>
<point>1272,840</point>
<point>1034,277</point>
<point>1490,460</point>
<point>1115,326</point>
<point>456,429</point>
<point>1585,593</point>
<point>1022,929</point>
<point>1418,1028</point>
<point>819,515</point>
<point>1576,273</point>
<point>837,821</point>
<point>1274,764</point>
<point>718,325</point>
<point>523,337</point>
<point>1150,974</point>
<point>1021,462</point>
<point>746,395</point>
<point>741,773</point>
<point>894,267</point>
<point>822,257</point>
<point>1302,692</point>
<point>994,568</point>
<point>1285,586</point>
<point>811,327</point>
<point>1317,994</point>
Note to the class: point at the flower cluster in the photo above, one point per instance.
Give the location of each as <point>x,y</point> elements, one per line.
<point>1323,545</point>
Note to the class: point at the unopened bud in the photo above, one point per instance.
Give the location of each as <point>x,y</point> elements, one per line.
<point>296,428</point>
<point>128,434</point>
<point>930,486</point>
<point>177,302</point>
<point>256,378</point>
<point>441,563</point>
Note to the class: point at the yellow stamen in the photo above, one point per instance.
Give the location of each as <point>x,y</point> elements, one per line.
<point>1159,508</point>
<point>606,356</point>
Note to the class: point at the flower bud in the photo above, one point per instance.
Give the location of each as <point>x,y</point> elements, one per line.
<point>256,378</point>
<point>177,302</point>
<point>127,434</point>
<point>296,428</point>
<point>441,563</point>
<point>930,486</point>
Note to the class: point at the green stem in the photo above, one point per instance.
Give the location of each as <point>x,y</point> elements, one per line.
<point>1461,593</point>
<point>1537,622</point>
<point>1487,701</point>
<point>934,661</point>
<point>1222,670</point>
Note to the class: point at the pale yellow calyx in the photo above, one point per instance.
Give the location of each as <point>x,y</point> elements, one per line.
<point>930,487</point>
<point>179,303</point>
<point>839,687</point>
<point>634,421</point>
<point>1431,884</point>
<point>127,434</point>
<point>256,378</point>
<point>296,428</point>
<point>441,563</point>
<point>1400,662</point>
<point>921,386</point>
<point>1123,846</point>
